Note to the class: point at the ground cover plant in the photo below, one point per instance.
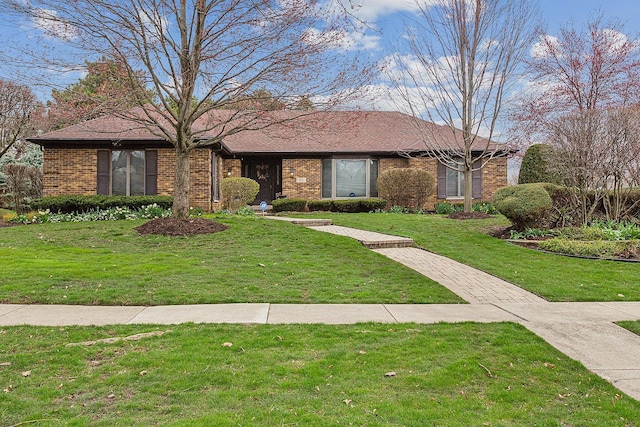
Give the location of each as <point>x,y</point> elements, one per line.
<point>315,375</point>
<point>254,260</point>
<point>600,239</point>
<point>554,277</point>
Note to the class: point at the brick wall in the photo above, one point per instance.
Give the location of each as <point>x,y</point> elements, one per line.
<point>494,176</point>
<point>74,171</point>
<point>306,181</point>
<point>200,176</point>
<point>69,172</point>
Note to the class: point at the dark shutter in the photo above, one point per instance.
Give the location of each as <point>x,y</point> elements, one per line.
<point>151,172</point>
<point>104,166</point>
<point>477,180</point>
<point>442,181</point>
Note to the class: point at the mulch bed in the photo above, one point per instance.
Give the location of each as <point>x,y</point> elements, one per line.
<point>180,227</point>
<point>469,215</point>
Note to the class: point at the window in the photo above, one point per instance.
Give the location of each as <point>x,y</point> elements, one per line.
<point>127,172</point>
<point>455,183</point>
<point>349,178</point>
<point>451,182</point>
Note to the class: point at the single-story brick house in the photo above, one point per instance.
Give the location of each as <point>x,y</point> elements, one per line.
<point>325,155</point>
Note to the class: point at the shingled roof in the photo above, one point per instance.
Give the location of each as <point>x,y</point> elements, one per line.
<point>343,132</point>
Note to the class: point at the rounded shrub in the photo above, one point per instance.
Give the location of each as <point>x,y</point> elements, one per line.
<point>526,205</point>
<point>406,187</point>
<point>238,192</point>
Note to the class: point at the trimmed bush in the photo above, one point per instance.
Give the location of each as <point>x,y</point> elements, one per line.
<point>319,205</point>
<point>409,188</point>
<point>347,206</point>
<point>372,204</point>
<point>79,204</point>
<point>238,192</point>
<point>289,205</point>
<point>535,165</point>
<point>526,205</point>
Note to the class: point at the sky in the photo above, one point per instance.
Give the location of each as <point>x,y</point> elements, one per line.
<point>388,19</point>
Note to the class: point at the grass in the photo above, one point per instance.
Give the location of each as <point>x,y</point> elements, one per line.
<point>255,260</point>
<point>313,375</point>
<point>633,326</point>
<point>554,277</point>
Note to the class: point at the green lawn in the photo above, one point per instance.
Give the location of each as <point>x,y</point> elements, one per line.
<point>632,326</point>
<point>554,277</point>
<point>255,260</point>
<point>312,375</point>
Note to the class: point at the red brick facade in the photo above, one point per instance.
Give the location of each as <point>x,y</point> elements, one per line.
<point>74,171</point>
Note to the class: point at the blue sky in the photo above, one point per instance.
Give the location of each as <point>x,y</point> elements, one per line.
<point>388,16</point>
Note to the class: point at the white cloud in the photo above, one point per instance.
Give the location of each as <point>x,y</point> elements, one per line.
<point>48,21</point>
<point>342,39</point>
<point>371,10</point>
<point>615,39</point>
<point>544,46</point>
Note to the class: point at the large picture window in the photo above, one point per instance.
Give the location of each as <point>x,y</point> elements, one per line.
<point>127,172</point>
<point>349,178</point>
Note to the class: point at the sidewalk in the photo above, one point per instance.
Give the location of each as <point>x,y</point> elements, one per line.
<point>583,331</point>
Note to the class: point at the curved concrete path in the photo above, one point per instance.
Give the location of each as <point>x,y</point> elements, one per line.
<point>583,331</point>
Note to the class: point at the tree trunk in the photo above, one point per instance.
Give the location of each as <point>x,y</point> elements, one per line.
<point>181,185</point>
<point>468,190</point>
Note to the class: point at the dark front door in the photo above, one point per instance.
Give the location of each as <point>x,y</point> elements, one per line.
<point>268,174</point>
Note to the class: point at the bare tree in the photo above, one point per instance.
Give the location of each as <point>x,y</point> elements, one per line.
<point>583,102</point>
<point>463,58</point>
<point>197,56</point>
<point>17,107</point>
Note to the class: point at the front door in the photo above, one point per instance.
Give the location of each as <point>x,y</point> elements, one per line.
<point>267,173</point>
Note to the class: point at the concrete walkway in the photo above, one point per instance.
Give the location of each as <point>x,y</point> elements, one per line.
<point>583,331</point>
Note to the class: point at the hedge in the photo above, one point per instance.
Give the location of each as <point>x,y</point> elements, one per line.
<point>79,203</point>
<point>342,205</point>
<point>319,205</point>
<point>289,205</point>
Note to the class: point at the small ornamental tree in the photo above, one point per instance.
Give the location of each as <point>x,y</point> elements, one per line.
<point>535,165</point>
<point>408,188</point>
<point>238,192</point>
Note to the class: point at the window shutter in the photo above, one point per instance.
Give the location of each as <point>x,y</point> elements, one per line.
<point>151,172</point>
<point>477,180</point>
<point>442,181</point>
<point>104,166</point>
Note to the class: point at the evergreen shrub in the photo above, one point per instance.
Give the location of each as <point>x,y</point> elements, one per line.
<point>526,205</point>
